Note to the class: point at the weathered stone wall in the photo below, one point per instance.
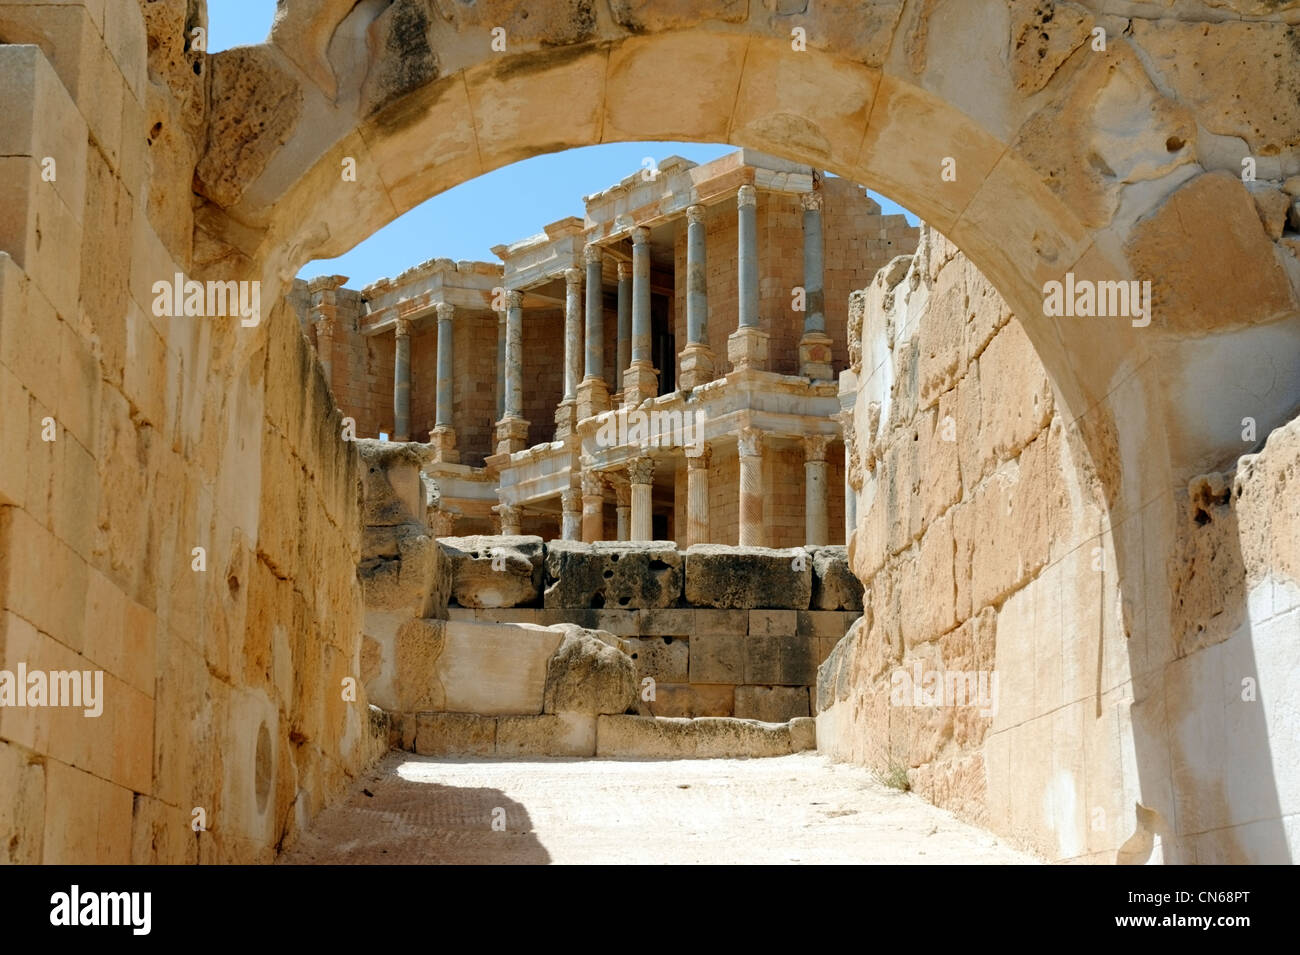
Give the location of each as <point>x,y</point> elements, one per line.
<point>722,631</point>
<point>984,546</point>
<point>131,439</point>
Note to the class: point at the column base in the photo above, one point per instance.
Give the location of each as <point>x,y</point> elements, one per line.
<point>815,356</point>
<point>444,446</point>
<point>697,366</point>
<point>639,383</point>
<point>747,348</point>
<point>593,398</point>
<point>566,419</point>
<point>512,435</point>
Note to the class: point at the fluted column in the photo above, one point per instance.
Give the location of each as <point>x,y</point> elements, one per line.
<point>747,345</point>
<point>696,357</point>
<point>816,510</point>
<point>501,364</point>
<point>443,436</point>
<point>402,382</point>
<point>593,506</point>
<point>640,381</point>
<point>623,510</point>
<point>815,345</point>
<point>624,356</point>
<point>749,444</point>
<point>593,390</point>
<point>641,474</point>
<point>512,429</point>
<point>571,514</point>
<point>510,517</point>
<point>566,413</point>
<point>697,495</point>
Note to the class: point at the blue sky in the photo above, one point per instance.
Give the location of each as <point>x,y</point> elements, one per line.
<point>464,223</point>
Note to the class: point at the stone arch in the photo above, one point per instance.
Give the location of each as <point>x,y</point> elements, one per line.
<point>1111,164</point>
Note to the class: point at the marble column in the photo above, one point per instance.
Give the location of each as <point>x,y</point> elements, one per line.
<point>624,356</point>
<point>512,429</point>
<point>501,364</point>
<point>815,345</point>
<point>593,390</point>
<point>566,414</point>
<point>815,502</point>
<point>402,382</point>
<point>443,435</point>
<point>593,506</point>
<point>749,445</point>
<point>747,347</point>
<point>623,510</point>
<point>697,495</point>
<point>511,517</point>
<point>641,474</point>
<point>697,356</point>
<point>571,514</point>
<point>640,381</point>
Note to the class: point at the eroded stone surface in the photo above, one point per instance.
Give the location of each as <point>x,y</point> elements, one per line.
<point>498,571</point>
<point>721,576</point>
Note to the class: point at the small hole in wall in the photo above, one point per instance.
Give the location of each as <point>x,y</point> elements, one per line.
<point>634,656</point>
<point>598,602</point>
<point>608,574</point>
<point>668,641</point>
<point>198,68</point>
<point>233,583</point>
<point>1202,517</point>
<point>1173,144</point>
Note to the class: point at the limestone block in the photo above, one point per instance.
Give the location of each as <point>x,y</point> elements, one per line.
<point>722,738</point>
<point>418,646</point>
<point>691,699</point>
<point>613,574</point>
<point>1016,396</point>
<point>560,734</point>
<point>717,658</point>
<point>22,811</point>
<point>455,734</point>
<point>727,577</point>
<point>666,623</point>
<point>495,668</point>
<point>494,571</point>
<point>640,16</point>
<point>588,675</point>
<point>771,704</point>
<point>704,738</point>
<point>663,658</point>
<point>803,734</point>
<point>834,587</point>
<point>42,121</point>
<point>771,623</point>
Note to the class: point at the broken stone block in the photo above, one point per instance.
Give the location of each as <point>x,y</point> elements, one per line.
<point>615,575</point>
<point>494,571</point>
<point>718,575</point>
<point>803,734</point>
<point>588,673</point>
<point>771,704</point>
<point>834,585</point>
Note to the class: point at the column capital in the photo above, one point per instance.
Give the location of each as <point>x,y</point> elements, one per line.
<point>641,470</point>
<point>514,298</point>
<point>593,484</point>
<point>446,311</point>
<point>699,458</point>
<point>593,254</point>
<point>624,271</point>
<point>815,446</point>
<point>749,442</point>
<point>747,196</point>
<point>811,201</point>
<point>511,516</point>
<point>403,328</point>
<point>573,276</point>
<point>695,213</point>
<point>640,235</point>
<point>623,494</point>
<point>571,499</point>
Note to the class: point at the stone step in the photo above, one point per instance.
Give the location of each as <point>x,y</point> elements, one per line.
<point>581,734</point>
